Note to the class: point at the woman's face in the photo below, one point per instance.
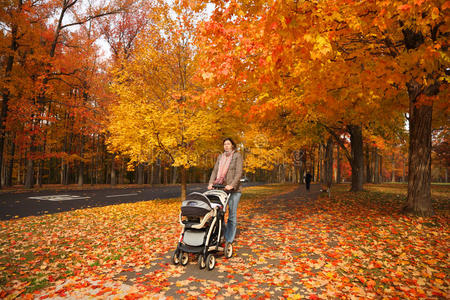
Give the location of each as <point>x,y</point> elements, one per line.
<point>227,146</point>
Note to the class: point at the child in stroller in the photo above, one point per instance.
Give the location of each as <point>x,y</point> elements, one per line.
<point>202,221</point>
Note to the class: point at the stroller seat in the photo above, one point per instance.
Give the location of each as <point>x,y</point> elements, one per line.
<point>197,210</point>
<point>198,222</point>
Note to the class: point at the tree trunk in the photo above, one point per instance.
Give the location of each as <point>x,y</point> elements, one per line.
<point>66,173</point>
<point>183,183</point>
<point>3,177</point>
<point>329,165</point>
<point>11,164</point>
<point>419,167</point>
<point>13,46</point>
<point>122,172</point>
<point>93,158</point>
<point>39,174</point>
<point>338,165</point>
<point>376,164</point>
<point>357,157</point>
<point>301,171</point>
<point>19,171</point>
<point>165,172</point>
<point>69,151</point>
<point>29,177</point>
<point>393,168</point>
<point>380,168</point>
<point>81,166</point>
<point>158,171</point>
<point>140,174</point>
<point>368,173</point>
<point>174,175</point>
<point>319,162</point>
<point>403,170</point>
<point>152,174</point>
<point>113,170</point>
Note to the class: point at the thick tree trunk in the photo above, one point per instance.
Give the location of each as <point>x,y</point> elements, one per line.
<point>357,157</point>
<point>419,167</point>
<point>29,177</point>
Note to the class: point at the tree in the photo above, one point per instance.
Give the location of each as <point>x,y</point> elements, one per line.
<point>159,111</point>
<point>361,58</point>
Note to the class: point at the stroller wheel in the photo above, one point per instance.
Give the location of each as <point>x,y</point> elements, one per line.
<point>176,257</point>
<point>211,261</point>
<point>228,250</point>
<point>184,257</point>
<point>201,261</point>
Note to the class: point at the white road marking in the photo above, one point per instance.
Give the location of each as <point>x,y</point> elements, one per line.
<point>58,197</point>
<point>123,195</point>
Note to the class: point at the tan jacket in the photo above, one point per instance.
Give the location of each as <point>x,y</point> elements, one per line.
<point>234,172</point>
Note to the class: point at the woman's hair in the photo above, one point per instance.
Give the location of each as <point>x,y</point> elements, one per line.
<point>231,141</point>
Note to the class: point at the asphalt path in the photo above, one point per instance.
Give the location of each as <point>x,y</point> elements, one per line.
<point>18,205</point>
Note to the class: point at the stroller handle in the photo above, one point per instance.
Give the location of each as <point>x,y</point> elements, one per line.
<point>220,187</point>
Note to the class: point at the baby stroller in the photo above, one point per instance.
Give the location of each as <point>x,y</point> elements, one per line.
<point>202,220</point>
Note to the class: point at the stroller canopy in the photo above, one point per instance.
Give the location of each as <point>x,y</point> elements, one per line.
<point>196,205</point>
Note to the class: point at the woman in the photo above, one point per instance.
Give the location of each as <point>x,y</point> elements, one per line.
<point>228,171</point>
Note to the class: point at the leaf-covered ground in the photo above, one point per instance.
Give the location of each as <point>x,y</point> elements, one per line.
<point>289,244</point>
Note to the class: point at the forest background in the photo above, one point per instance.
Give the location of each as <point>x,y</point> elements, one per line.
<point>349,91</point>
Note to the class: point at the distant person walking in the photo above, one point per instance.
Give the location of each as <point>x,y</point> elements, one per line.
<point>308,178</point>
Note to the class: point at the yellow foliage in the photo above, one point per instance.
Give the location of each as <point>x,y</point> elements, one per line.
<point>158,109</point>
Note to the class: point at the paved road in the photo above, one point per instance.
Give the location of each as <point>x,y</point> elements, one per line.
<point>17,205</point>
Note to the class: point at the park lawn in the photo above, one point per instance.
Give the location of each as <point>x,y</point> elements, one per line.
<point>351,244</point>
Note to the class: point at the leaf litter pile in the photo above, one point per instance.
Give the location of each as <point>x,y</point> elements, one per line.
<point>289,245</point>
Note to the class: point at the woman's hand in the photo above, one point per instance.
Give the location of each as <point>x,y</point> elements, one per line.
<point>229,187</point>
<point>210,187</point>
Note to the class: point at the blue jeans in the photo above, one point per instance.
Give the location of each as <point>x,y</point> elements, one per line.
<point>230,228</point>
